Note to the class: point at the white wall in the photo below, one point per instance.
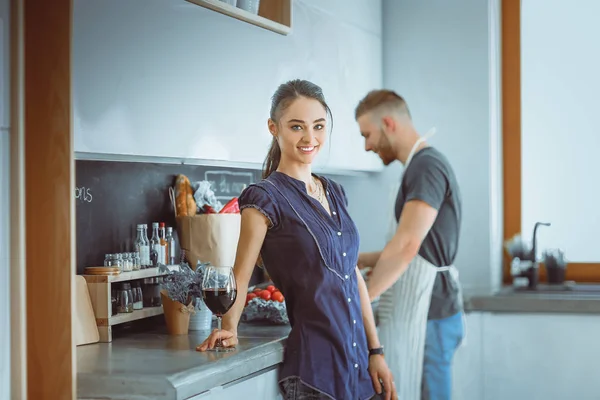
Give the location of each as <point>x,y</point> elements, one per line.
<point>560,85</point>
<point>438,56</point>
<point>528,357</point>
<point>174,79</point>
<point>4,206</point>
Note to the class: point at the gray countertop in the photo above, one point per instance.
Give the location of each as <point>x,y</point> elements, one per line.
<point>542,301</point>
<point>159,366</point>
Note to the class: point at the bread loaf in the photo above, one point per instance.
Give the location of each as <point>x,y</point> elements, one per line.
<point>184,197</point>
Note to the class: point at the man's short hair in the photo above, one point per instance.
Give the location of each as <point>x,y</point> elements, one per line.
<point>382,101</point>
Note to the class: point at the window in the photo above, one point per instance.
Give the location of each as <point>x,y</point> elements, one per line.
<point>550,142</point>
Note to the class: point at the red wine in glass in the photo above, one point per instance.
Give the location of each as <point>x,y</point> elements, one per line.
<point>219,292</point>
<point>219,301</point>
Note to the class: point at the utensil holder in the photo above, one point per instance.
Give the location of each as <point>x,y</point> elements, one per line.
<point>201,320</point>
<point>556,275</point>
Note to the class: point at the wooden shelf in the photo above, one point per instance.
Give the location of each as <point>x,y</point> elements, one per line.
<point>135,315</point>
<point>100,287</point>
<point>124,276</point>
<point>273,15</point>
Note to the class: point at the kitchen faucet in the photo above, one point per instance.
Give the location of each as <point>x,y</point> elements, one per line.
<point>532,273</point>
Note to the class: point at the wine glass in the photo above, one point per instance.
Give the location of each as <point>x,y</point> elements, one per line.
<point>219,293</point>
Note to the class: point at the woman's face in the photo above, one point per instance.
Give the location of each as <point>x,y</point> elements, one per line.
<point>301,130</point>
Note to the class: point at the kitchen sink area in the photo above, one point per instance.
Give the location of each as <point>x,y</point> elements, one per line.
<point>568,288</point>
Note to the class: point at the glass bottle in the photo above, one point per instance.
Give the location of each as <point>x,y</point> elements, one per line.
<point>155,245</point>
<point>170,247</point>
<point>163,244</point>
<point>141,245</point>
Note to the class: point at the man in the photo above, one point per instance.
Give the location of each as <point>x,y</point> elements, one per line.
<point>420,311</point>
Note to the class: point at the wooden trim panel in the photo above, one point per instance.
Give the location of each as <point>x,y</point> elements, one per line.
<point>511,141</point>
<point>49,199</point>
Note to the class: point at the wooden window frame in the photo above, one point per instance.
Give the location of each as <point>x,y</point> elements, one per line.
<point>511,142</point>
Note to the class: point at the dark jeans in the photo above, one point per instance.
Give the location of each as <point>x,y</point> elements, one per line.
<point>294,389</point>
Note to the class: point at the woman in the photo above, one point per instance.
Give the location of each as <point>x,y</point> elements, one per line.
<point>298,223</point>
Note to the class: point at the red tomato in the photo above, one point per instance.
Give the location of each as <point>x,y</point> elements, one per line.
<point>265,294</point>
<point>249,297</point>
<point>271,288</point>
<point>277,296</point>
<point>257,290</point>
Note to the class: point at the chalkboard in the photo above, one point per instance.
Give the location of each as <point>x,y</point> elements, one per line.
<point>113,197</point>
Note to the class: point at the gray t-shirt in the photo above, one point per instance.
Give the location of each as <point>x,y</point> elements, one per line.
<point>430,178</point>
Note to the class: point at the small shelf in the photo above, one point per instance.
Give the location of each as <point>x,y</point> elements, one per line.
<point>100,288</point>
<point>135,315</point>
<point>273,15</point>
<point>124,276</point>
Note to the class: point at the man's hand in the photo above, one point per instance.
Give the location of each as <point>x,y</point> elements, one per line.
<point>380,372</point>
<point>366,260</point>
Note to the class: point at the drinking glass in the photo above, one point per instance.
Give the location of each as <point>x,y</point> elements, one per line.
<point>219,293</point>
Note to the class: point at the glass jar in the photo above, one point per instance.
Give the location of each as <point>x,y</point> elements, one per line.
<point>114,301</point>
<point>119,261</point>
<point>109,260</point>
<point>127,263</point>
<point>125,298</point>
<point>138,302</point>
<point>151,292</point>
<point>137,263</point>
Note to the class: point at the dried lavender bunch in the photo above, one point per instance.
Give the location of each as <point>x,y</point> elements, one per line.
<point>178,283</point>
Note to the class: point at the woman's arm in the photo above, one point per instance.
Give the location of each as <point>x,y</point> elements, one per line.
<point>253,230</point>
<point>378,368</point>
<point>367,312</point>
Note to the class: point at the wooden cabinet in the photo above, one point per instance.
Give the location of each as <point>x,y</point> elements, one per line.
<point>274,15</point>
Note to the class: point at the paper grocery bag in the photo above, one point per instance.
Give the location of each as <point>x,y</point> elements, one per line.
<point>209,238</point>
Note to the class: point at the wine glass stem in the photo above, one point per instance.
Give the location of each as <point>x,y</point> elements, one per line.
<point>219,343</point>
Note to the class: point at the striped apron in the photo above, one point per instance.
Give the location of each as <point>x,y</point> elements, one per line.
<point>402,313</point>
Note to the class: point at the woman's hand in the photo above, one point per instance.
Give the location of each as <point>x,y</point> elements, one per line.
<point>228,339</point>
<point>380,372</point>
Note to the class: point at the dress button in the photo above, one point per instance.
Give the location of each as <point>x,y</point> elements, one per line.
<point>355,365</point>
<point>344,254</point>
<point>354,344</point>
<point>339,233</point>
<point>346,276</point>
<point>354,321</point>
<point>334,213</point>
<point>349,300</point>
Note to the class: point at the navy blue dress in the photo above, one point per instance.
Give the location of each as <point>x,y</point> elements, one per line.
<point>311,256</point>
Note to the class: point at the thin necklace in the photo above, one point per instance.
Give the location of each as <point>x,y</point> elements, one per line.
<point>318,190</point>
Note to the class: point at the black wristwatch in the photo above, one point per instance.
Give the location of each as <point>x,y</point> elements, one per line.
<point>378,350</point>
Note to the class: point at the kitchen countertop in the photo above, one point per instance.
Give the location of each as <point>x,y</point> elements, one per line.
<point>157,366</point>
<point>510,301</point>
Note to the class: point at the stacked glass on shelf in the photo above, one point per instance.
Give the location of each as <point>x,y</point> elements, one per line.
<point>126,262</point>
<point>127,297</point>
